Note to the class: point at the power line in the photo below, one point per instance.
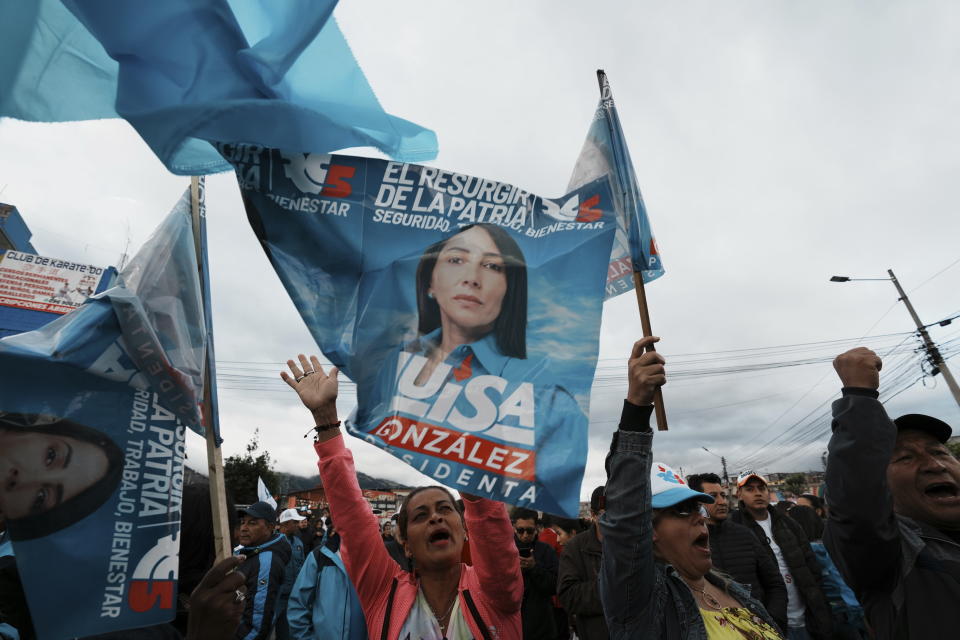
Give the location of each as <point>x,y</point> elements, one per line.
<point>952,264</point>
<point>801,429</point>
<point>816,429</point>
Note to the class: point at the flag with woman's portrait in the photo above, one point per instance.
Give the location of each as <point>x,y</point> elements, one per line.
<point>466,310</point>
<point>93,409</point>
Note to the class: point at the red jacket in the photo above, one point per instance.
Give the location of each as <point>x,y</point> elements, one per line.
<point>490,591</point>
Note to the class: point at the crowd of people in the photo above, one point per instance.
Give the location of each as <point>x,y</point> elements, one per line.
<point>659,556</point>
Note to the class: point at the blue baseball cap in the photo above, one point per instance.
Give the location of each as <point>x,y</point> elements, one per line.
<point>669,488</point>
<point>262,510</point>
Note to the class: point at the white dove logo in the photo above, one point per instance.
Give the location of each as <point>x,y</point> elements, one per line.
<point>307,171</point>
<point>567,212</point>
<point>153,582</point>
<point>161,562</point>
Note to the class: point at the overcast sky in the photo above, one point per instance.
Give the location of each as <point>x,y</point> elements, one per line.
<point>776,143</point>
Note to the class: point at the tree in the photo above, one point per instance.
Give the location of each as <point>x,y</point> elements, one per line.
<point>796,484</point>
<point>240,473</point>
<point>954,449</point>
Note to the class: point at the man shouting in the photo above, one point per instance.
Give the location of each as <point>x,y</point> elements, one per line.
<point>893,489</point>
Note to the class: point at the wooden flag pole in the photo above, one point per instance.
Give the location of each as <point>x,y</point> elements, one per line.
<point>660,412</point>
<point>218,493</point>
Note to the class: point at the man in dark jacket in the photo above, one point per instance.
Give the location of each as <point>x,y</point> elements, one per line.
<point>267,557</point>
<point>578,588</point>
<point>808,614</point>
<point>737,552</point>
<point>538,563</point>
<point>893,489</point>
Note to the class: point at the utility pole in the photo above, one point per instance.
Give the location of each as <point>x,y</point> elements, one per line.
<point>726,478</point>
<point>932,352</point>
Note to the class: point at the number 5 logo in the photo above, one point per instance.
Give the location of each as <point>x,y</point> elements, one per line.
<point>337,185</point>
<point>313,173</point>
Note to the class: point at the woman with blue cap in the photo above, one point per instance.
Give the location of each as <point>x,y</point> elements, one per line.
<point>657,578</point>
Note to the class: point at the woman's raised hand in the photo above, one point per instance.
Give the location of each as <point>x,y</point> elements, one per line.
<point>317,390</point>
<point>645,371</point>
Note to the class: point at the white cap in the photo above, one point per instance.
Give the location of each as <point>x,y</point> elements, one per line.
<point>667,488</point>
<point>290,514</point>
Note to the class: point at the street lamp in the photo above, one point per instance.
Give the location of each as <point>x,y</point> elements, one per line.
<point>849,279</point>
<point>932,352</point>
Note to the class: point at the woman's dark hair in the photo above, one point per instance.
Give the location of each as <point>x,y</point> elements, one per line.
<point>816,501</point>
<point>84,503</point>
<point>808,520</point>
<point>522,513</point>
<point>510,326</point>
<point>572,526</point>
<point>598,500</point>
<point>696,480</point>
<point>403,516</point>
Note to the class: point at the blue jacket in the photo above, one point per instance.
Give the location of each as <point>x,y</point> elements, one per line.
<point>297,556</point>
<point>842,602</point>
<point>264,569</point>
<point>323,603</point>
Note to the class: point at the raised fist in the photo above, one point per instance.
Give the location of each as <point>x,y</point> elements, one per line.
<point>645,372</point>
<point>859,367</point>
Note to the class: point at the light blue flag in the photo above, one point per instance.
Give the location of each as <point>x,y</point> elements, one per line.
<point>466,310</point>
<point>93,412</point>
<point>146,331</point>
<point>270,73</point>
<point>605,153</point>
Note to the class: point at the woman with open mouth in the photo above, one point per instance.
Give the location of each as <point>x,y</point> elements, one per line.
<point>657,578</point>
<point>442,598</point>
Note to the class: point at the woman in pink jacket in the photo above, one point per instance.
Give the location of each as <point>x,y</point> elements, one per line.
<point>442,598</point>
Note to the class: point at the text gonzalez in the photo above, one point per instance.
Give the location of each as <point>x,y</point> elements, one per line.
<point>437,428</point>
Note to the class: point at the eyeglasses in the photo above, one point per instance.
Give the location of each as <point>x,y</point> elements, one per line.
<point>686,509</point>
<point>526,531</point>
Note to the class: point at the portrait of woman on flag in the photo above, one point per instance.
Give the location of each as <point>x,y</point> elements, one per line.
<point>465,401</point>
<point>55,473</point>
<point>472,286</point>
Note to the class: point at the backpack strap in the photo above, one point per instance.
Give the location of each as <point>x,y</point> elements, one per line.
<point>475,614</point>
<point>386,615</point>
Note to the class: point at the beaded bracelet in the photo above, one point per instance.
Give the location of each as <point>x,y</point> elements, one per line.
<point>322,427</point>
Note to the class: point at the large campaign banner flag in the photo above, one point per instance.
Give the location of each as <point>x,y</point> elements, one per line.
<point>466,310</point>
<point>605,153</point>
<point>93,409</point>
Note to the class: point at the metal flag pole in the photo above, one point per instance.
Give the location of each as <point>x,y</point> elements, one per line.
<point>211,418</point>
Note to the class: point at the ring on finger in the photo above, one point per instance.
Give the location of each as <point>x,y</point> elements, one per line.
<point>240,596</point>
